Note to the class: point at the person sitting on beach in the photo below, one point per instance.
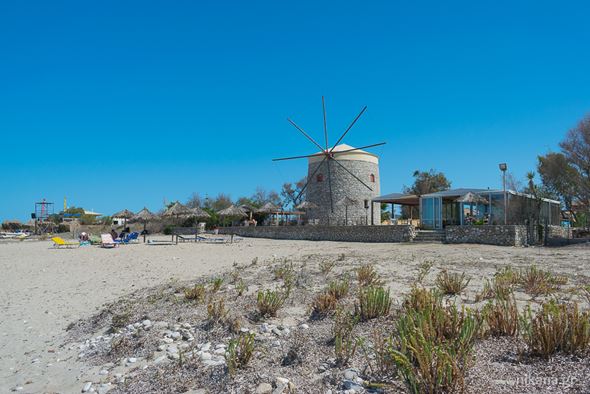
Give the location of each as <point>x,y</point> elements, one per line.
<point>114,234</point>
<point>83,236</point>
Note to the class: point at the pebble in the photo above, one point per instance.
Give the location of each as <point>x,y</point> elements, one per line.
<point>212,363</point>
<point>175,335</point>
<point>205,347</point>
<point>350,385</point>
<point>219,351</point>
<point>304,326</point>
<point>264,388</point>
<point>172,349</point>
<point>104,388</point>
<point>161,359</point>
<point>277,332</point>
<point>87,387</point>
<point>132,360</point>
<point>205,356</point>
<point>119,378</point>
<point>276,343</point>
<point>103,372</point>
<point>351,374</point>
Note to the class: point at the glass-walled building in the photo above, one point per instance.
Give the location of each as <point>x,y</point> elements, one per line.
<point>474,206</point>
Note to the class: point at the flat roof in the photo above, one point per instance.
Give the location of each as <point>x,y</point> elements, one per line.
<point>398,198</point>
<point>412,199</point>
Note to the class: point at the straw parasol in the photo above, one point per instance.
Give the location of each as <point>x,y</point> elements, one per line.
<point>232,210</point>
<point>199,213</point>
<point>144,216</point>
<point>268,208</point>
<point>125,214</point>
<point>176,210</point>
<point>347,202</point>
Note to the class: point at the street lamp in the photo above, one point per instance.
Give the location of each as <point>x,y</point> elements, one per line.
<point>503,167</point>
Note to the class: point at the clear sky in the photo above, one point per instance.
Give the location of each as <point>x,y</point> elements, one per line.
<point>121,104</point>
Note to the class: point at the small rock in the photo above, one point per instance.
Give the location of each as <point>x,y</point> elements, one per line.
<point>132,360</point>
<point>264,388</point>
<point>104,388</point>
<point>175,335</point>
<point>205,347</point>
<point>86,387</point>
<point>350,385</point>
<point>205,356</point>
<point>276,343</point>
<point>304,326</point>
<point>103,372</point>
<point>161,359</point>
<point>351,374</point>
<point>277,332</point>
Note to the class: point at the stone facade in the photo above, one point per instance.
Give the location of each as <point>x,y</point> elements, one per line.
<point>327,233</point>
<point>509,235</point>
<point>344,185</point>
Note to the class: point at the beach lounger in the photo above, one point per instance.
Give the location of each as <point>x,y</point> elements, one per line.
<point>59,242</point>
<point>159,242</point>
<point>128,238</point>
<point>106,241</point>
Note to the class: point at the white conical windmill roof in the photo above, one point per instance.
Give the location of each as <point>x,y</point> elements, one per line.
<point>343,152</point>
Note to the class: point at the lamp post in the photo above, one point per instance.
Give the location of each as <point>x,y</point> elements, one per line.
<point>503,167</point>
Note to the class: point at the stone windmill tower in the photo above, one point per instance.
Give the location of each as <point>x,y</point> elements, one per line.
<point>341,181</point>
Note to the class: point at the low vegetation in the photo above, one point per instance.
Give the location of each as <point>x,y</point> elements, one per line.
<point>373,302</point>
<point>216,311</point>
<point>239,352</point>
<point>323,305</point>
<point>451,284</point>
<point>196,293</point>
<point>345,340</point>
<point>501,317</point>
<point>339,288</point>
<point>269,302</point>
<point>366,275</point>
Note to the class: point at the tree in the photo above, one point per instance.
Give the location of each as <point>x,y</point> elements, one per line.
<point>262,197</point>
<point>291,192</point>
<point>426,182</point>
<point>194,201</point>
<point>220,202</point>
<point>559,177</point>
<point>576,149</point>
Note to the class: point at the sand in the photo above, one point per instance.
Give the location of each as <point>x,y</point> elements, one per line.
<point>44,290</point>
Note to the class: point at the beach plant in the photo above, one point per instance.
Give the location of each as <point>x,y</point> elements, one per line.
<point>339,288</point>
<point>432,345</point>
<point>216,311</point>
<point>284,269</point>
<point>556,327</point>
<point>234,324</point>
<point>373,302</point>
<point>497,288</point>
<point>323,305</point>
<point>239,352</point>
<point>241,287</point>
<point>508,275</point>
<point>501,317</point>
<point>586,292</point>
<point>345,341</point>
<point>423,270</point>
<point>326,266</point>
<point>451,283</point>
<point>366,275</point>
<point>537,282</point>
<point>196,293</point>
<point>421,298</point>
<point>269,302</point>
<point>216,284</point>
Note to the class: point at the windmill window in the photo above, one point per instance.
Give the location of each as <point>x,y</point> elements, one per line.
<point>372,178</point>
<point>320,178</point>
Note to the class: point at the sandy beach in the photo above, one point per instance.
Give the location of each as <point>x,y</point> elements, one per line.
<point>44,289</point>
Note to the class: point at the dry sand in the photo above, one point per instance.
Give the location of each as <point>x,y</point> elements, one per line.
<point>44,290</point>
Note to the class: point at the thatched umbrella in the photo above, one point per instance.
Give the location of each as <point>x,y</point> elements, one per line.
<point>233,211</point>
<point>269,208</point>
<point>125,214</point>
<point>144,216</point>
<point>347,202</point>
<point>176,210</point>
<point>199,213</point>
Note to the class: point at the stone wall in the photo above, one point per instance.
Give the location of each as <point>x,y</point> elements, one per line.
<point>510,235</point>
<point>327,233</point>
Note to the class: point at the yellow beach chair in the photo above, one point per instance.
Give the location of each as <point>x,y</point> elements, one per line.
<point>59,242</point>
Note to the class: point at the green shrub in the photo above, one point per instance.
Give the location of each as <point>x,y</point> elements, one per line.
<point>451,284</point>
<point>241,287</point>
<point>323,305</point>
<point>216,284</point>
<point>368,276</point>
<point>269,302</point>
<point>339,288</point>
<point>239,352</point>
<point>556,328</point>
<point>196,293</point>
<point>216,311</point>
<point>536,282</point>
<point>345,342</point>
<point>432,346</point>
<point>373,302</point>
<point>501,317</point>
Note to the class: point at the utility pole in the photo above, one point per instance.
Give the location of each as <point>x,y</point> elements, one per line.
<point>503,168</point>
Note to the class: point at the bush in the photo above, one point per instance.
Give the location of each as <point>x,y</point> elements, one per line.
<point>323,305</point>
<point>339,288</point>
<point>536,282</point>
<point>497,288</point>
<point>326,266</point>
<point>367,276</point>
<point>451,284</point>
<point>216,311</point>
<point>241,287</point>
<point>556,328</point>
<point>501,317</point>
<point>433,343</point>
<point>239,352</point>
<point>196,293</point>
<point>269,302</point>
<point>345,342</point>
<point>373,302</point>
<point>167,230</point>
<point>216,284</point>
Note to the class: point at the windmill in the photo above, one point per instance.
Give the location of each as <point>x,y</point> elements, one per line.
<point>338,171</point>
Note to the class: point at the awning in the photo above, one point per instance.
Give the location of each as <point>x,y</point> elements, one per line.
<point>398,198</point>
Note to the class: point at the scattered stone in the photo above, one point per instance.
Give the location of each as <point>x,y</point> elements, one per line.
<point>132,360</point>
<point>304,326</point>
<point>119,378</point>
<point>161,359</point>
<point>86,387</point>
<point>205,347</point>
<point>351,373</point>
<point>351,385</point>
<point>175,335</point>
<point>104,388</point>
<point>264,388</point>
<point>205,356</point>
<point>277,332</point>
<point>103,372</point>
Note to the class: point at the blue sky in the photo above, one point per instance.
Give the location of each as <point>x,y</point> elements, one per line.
<point>124,104</point>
